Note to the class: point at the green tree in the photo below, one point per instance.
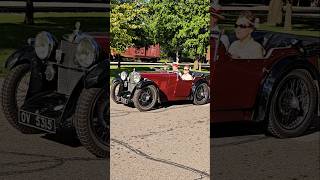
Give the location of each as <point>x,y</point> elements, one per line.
<point>127,25</point>
<point>195,27</point>
<point>180,27</point>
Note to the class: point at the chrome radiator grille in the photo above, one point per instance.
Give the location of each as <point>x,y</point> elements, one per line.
<point>131,83</point>
<point>68,78</point>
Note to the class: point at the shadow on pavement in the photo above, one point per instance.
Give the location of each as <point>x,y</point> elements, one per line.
<point>38,162</point>
<point>230,129</point>
<point>66,137</point>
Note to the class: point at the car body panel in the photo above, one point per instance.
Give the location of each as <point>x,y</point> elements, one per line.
<point>241,88</point>
<point>169,84</point>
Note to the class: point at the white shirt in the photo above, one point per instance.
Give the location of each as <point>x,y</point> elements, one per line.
<point>187,77</point>
<point>246,50</point>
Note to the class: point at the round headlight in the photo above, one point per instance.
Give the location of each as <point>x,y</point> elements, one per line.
<point>136,77</point>
<point>87,52</point>
<point>123,75</point>
<point>44,44</point>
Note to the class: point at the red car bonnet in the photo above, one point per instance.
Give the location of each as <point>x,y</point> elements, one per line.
<point>103,40</point>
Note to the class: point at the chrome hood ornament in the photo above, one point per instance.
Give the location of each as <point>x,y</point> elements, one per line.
<point>75,33</point>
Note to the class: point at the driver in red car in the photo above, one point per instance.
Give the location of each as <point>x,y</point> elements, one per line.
<point>186,73</point>
<point>175,68</point>
<point>245,47</point>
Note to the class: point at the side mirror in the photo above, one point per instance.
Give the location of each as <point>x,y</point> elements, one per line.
<point>294,42</point>
<point>297,43</point>
<point>31,41</point>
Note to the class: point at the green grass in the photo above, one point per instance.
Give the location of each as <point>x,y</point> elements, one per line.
<point>14,33</point>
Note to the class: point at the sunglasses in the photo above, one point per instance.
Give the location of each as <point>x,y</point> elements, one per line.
<point>186,69</point>
<point>242,26</point>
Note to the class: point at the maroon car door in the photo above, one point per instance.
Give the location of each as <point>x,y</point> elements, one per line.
<point>236,82</point>
<point>183,88</point>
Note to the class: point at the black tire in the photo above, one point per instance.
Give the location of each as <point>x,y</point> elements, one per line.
<point>114,94</point>
<point>9,97</point>
<point>141,98</point>
<point>201,95</point>
<point>92,121</point>
<point>293,105</point>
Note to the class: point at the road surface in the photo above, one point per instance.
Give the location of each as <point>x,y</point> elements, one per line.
<point>44,157</point>
<point>242,151</point>
<point>167,143</point>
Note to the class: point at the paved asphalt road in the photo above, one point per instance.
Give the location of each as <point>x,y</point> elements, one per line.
<point>168,143</point>
<point>46,157</point>
<point>242,151</point>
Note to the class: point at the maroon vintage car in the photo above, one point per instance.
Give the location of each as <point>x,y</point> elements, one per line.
<point>281,89</point>
<point>146,89</point>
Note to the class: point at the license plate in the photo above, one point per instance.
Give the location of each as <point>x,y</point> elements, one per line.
<point>124,100</point>
<point>37,121</point>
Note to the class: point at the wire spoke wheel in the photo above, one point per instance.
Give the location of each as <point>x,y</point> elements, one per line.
<point>22,89</point>
<point>116,89</point>
<point>201,94</point>
<point>292,105</point>
<point>92,121</point>
<point>14,90</point>
<point>145,99</point>
<point>291,108</point>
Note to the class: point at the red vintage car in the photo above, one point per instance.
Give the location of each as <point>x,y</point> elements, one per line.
<point>146,89</point>
<point>281,89</point>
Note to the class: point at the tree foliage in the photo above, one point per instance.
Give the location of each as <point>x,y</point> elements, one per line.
<point>178,26</point>
<point>127,25</point>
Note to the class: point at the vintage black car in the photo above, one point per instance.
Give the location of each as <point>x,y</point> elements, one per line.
<point>54,85</point>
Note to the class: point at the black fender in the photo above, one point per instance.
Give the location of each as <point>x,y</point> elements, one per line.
<point>72,103</point>
<point>117,79</point>
<point>20,56</point>
<point>121,83</point>
<point>272,79</point>
<point>195,85</point>
<point>98,76</point>
<point>147,82</point>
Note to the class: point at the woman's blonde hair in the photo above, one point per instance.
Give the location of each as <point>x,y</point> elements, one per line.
<point>248,15</point>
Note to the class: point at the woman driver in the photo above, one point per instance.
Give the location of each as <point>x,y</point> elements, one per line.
<point>245,47</point>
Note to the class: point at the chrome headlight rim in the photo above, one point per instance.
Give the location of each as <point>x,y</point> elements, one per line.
<point>136,77</point>
<point>123,75</point>
<point>51,44</point>
<point>83,60</point>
